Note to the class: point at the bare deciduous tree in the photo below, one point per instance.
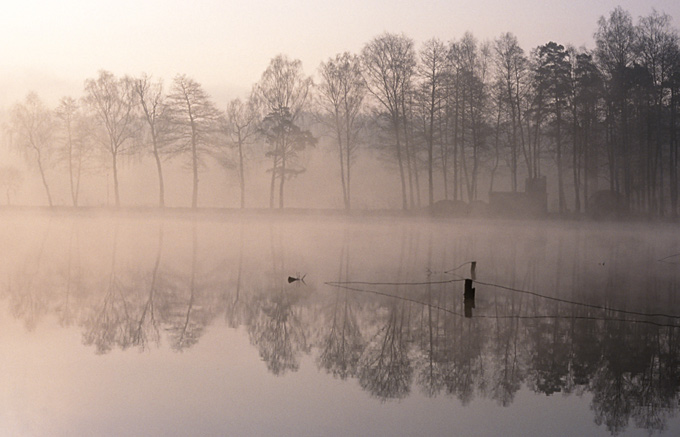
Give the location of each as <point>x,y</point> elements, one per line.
<point>155,114</point>
<point>32,126</point>
<point>242,126</point>
<point>433,71</point>
<point>113,102</point>
<point>389,64</point>
<point>341,96</point>
<point>10,180</point>
<point>194,116</point>
<point>76,149</point>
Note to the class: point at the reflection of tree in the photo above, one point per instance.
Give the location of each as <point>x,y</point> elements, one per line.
<point>341,348</point>
<point>431,372</point>
<point>276,327</point>
<point>464,340</point>
<point>385,367</point>
<point>549,354</point>
<point>187,316</point>
<point>236,309</point>
<point>110,324</point>
<point>29,296</point>
<point>72,279</point>
<point>278,332</point>
<point>507,372</point>
<point>146,327</point>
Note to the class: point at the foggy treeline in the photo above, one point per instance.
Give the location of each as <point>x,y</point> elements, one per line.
<point>448,120</point>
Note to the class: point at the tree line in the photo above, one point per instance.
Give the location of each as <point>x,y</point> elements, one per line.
<point>454,120</point>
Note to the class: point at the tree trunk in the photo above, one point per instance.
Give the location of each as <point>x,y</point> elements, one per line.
<point>161,188</point>
<point>242,179</point>
<point>673,161</point>
<point>283,175</point>
<point>338,132</point>
<point>272,185</point>
<point>115,179</point>
<point>404,202</point>
<point>560,178</point>
<point>194,163</point>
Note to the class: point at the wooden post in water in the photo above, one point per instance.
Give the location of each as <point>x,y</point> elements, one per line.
<point>473,266</point>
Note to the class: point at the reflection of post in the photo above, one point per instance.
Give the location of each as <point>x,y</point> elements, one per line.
<point>469,304</point>
<point>469,290</point>
<point>469,296</point>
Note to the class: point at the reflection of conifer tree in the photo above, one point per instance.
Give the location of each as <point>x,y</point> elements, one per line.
<point>278,332</point>
<point>342,347</point>
<point>385,368</point>
<point>276,327</point>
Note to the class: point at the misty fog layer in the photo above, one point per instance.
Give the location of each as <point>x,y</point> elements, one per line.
<point>459,126</point>
<point>257,322</point>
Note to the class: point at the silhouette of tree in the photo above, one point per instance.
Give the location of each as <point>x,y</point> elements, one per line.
<point>282,92</point>
<point>195,119</point>
<point>10,180</point>
<point>389,66</point>
<point>286,142</point>
<point>113,103</point>
<point>77,148</point>
<point>242,126</point>
<point>341,99</point>
<point>32,126</point>
<point>155,113</point>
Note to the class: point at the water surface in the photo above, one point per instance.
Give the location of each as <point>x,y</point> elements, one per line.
<point>140,325</point>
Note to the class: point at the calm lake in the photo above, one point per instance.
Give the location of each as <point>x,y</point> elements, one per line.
<point>147,325</point>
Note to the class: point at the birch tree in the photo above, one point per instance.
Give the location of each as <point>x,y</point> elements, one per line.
<point>33,129</point>
<point>112,102</point>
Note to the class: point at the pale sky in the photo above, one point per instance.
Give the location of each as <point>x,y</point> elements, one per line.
<point>51,46</point>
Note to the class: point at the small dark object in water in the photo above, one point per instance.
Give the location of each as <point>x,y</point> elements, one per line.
<point>298,278</point>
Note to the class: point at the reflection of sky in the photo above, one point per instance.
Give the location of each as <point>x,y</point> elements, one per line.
<point>226,46</point>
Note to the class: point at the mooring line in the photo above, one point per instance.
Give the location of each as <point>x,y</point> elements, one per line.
<point>571,302</point>
<point>379,293</point>
<point>509,316</point>
<point>340,283</point>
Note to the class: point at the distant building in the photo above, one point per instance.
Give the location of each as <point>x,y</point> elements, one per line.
<point>533,202</point>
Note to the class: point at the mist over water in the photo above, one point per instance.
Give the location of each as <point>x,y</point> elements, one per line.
<point>144,324</point>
